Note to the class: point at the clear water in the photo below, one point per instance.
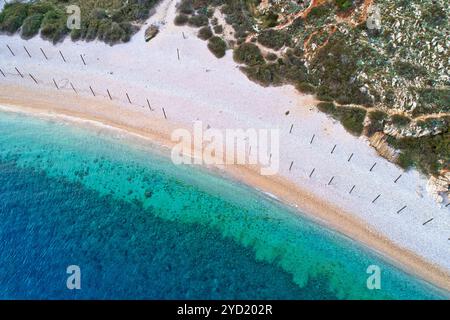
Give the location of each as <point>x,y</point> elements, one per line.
<point>140,227</point>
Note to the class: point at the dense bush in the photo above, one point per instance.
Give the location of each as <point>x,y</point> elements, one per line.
<point>205,33</point>
<point>249,54</point>
<point>305,87</point>
<point>273,39</point>
<point>425,153</point>
<point>12,16</point>
<point>109,21</point>
<point>335,68</point>
<point>269,20</point>
<point>217,46</point>
<point>400,120</point>
<point>218,29</point>
<point>32,25</point>
<point>54,26</point>
<point>198,20</point>
<point>352,119</point>
<point>271,56</point>
<point>181,20</point>
<point>377,119</point>
<point>327,107</point>
<point>344,4</point>
<point>267,74</point>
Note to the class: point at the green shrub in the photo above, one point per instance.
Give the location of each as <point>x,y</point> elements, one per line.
<point>377,115</point>
<point>400,120</point>
<point>181,20</point>
<point>352,119</point>
<point>217,46</point>
<point>185,7</point>
<point>344,4</point>
<point>377,120</point>
<point>327,107</point>
<point>205,33</point>
<point>265,74</point>
<point>305,87</point>
<point>12,16</point>
<point>53,25</point>
<point>271,56</point>
<point>430,154</point>
<point>117,33</point>
<point>198,20</point>
<point>249,54</point>
<point>75,34</point>
<point>218,29</point>
<point>269,20</point>
<point>273,39</point>
<point>31,25</point>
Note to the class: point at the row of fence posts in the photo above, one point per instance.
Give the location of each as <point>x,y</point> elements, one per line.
<point>353,186</point>
<point>91,89</point>
<point>44,54</point>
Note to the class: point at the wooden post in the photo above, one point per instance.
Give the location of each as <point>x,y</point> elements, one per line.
<point>149,106</point>
<point>92,91</point>
<point>20,74</point>
<point>31,76</point>
<point>373,201</point>
<point>334,148</point>
<point>351,190</point>
<point>62,56</point>
<point>331,180</point>
<point>43,53</point>
<point>27,51</point>
<point>75,90</point>
<point>402,209</point>
<point>10,50</point>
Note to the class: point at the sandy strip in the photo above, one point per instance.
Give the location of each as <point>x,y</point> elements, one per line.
<point>44,104</point>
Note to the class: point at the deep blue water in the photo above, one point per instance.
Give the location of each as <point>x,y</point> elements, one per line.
<point>140,227</point>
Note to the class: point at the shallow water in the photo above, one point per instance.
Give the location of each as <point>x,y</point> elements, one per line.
<point>140,227</point>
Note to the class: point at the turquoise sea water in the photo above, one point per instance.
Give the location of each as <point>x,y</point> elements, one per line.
<point>140,227</point>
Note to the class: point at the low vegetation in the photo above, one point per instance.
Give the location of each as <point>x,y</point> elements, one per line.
<point>109,21</point>
<point>217,46</point>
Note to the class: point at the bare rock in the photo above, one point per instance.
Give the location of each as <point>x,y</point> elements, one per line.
<point>378,141</point>
<point>151,32</point>
<point>438,187</point>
